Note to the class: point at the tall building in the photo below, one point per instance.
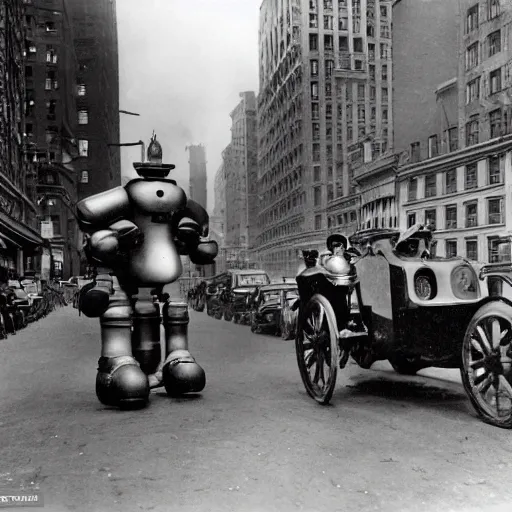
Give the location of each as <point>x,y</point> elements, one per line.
<point>50,120</point>
<point>325,71</point>
<point>97,94</point>
<point>197,166</point>
<point>240,177</point>
<point>19,240</point>
<point>457,172</point>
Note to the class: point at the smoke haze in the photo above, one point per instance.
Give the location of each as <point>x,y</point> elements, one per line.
<point>182,66</point>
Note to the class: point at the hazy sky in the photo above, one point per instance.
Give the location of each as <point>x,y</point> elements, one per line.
<point>182,65</point>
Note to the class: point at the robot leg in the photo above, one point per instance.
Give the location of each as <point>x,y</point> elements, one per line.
<point>120,380</point>
<point>146,344</point>
<point>181,373</point>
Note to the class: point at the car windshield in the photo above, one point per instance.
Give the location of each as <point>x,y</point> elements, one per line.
<point>253,279</point>
<point>268,296</point>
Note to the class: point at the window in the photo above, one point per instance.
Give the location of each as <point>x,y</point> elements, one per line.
<point>313,42</point>
<point>328,90</point>
<point>384,51</point>
<point>51,55</point>
<point>327,4</point>
<point>313,21</point>
<point>48,84</point>
<point>372,71</point>
<point>470,177</point>
<point>451,217</point>
<point>384,31</point>
<point>316,173</point>
<point>330,192</point>
<point>83,117</point>
<point>329,68</point>
<point>494,9</point>
<point>316,152</point>
<point>453,139</point>
<point>361,113</point>
<point>494,167</point>
<point>318,222</point>
<point>472,131</point>
<point>472,56</point>
<point>81,90</point>
<point>314,90</point>
<point>50,114</point>
<point>360,92</point>
<point>472,19</point>
<point>328,43</point>
<point>316,131</point>
<point>384,114</point>
<point>451,181</point>
<point>494,43</point>
<point>415,152</point>
<point>383,11</point>
<point>50,26</point>
<point>413,189</point>
<point>432,146</point>
<point>495,123</point>
<point>314,68</point>
<point>472,90</point>
<point>430,218</point>
<point>328,110</point>
<point>451,248</point>
<point>495,78</point>
<point>495,210</point>
<point>499,251</point>
<point>315,112</point>
<point>471,249</point>
<point>318,196</point>
<point>384,95</point>
<point>471,214</point>
<point>312,5</point>
<point>384,72</point>
<point>411,219</point>
<point>328,22</point>
<point>84,177</point>
<point>83,147</point>
<point>430,185</point>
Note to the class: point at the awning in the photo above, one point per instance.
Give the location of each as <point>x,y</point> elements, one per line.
<point>383,190</point>
<point>17,233</point>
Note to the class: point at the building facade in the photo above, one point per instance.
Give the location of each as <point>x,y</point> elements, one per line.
<point>197,180</point>
<point>325,71</point>
<point>96,98</point>
<point>19,239</point>
<point>462,185</point>
<point>240,178</point>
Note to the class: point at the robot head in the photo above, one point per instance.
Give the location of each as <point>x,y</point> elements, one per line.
<point>153,168</point>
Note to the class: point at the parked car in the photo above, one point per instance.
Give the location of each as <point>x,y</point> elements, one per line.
<point>232,289</point>
<point>267,304</point>
<point>415,310</point>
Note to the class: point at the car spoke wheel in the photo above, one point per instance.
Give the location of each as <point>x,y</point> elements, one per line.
<point>487,363</point>
<point>316,346</point>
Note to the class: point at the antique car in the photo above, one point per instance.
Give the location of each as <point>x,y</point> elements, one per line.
<point>199,297</point>
<point>393,300</point>
<point>239,284</point>
<point>266,306</point>
<point>214,290</point>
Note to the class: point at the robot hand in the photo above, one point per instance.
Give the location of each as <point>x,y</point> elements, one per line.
<point>204,253</point>
<point>112,245</point>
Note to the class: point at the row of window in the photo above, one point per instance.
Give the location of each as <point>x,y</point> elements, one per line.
<point>474,90</point>
<point>473,15</point>
<point>495,214</point>
<point>494,176</point>
<point>497,252</point>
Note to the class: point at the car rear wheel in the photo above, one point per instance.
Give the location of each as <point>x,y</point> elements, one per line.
<point>316,346</point>
<point>486,368</point>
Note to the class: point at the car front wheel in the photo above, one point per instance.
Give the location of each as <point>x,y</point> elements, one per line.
<point>486,368</point>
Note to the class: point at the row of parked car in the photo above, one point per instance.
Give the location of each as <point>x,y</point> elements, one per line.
<point>248,297</point>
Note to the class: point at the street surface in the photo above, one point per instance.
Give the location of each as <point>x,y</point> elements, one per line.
<point>253,441</point>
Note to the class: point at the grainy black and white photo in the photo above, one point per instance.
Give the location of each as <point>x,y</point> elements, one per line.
<point>255,255</point>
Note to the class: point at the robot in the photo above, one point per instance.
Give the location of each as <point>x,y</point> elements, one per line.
<point>134,237</point>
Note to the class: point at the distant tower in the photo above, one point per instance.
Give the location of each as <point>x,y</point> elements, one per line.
<point>197,165</point>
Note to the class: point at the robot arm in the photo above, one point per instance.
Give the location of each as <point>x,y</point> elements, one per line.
<point>103,218</point>
<point>191,226</point>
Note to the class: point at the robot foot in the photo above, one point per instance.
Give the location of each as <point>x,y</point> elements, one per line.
<point>121,382</point>
<point>181,374</point>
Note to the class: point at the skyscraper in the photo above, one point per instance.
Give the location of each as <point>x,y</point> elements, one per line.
<point>197,180</point>
<point>324,86</point>
<point>97,94</point>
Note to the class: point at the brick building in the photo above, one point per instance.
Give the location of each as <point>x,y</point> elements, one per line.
<point>458,173</point>
<point>325,71</point>
<point>19,238</point>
